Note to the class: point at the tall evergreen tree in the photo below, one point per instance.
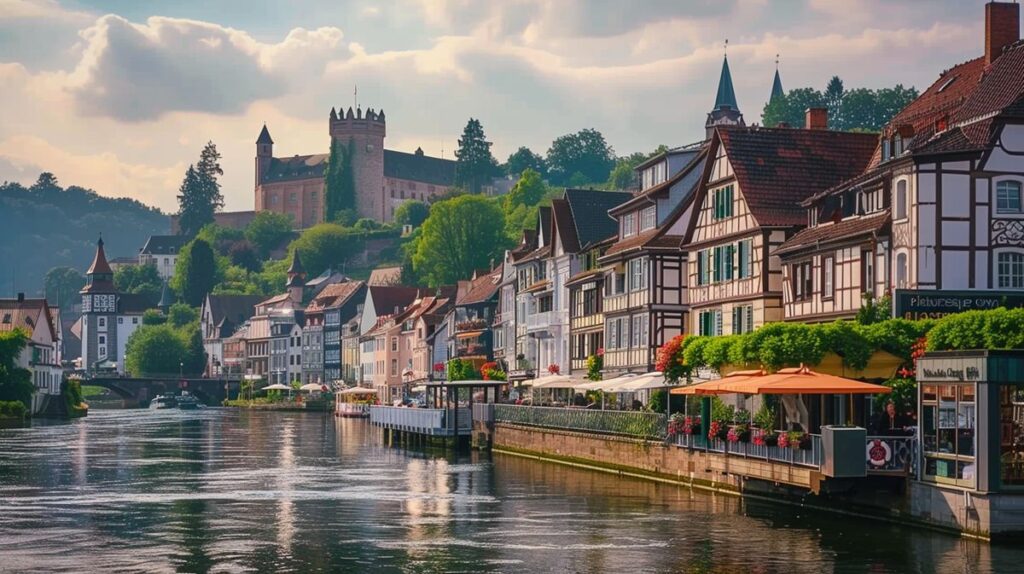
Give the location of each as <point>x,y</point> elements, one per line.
<point>834,93</point>
<point>200,195</point>
<point>476,165</point>
<point>339,181</point>
<point>195,274</point>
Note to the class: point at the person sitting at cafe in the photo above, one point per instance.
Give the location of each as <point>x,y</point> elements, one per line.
<point>890,422</point>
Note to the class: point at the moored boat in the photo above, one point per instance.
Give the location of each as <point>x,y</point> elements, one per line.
<point>187,401</point>
<point>163,402</point>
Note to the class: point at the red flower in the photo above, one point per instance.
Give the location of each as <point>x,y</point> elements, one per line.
<point>554,369</point>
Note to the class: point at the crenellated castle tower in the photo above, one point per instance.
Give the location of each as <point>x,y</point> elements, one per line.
<point>363,135</point>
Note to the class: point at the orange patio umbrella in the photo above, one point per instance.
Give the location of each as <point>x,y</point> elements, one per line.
<point>715,387</point>
<point>799,381</point>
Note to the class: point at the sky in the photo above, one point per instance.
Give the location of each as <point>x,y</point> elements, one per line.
<point>121,95</point>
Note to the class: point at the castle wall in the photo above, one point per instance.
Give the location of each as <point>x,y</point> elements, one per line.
<point>398,191</point>
<point>300,199</point>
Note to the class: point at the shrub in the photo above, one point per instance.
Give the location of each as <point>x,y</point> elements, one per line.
<point>13,409</point>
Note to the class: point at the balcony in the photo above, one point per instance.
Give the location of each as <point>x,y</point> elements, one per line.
<point>538,321</point>
<point>471,325</point>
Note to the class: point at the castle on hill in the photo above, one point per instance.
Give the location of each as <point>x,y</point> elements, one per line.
<point>384,179</point>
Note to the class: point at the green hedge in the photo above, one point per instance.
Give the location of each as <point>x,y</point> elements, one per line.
<point>778,345</point>
<point>13,410</point>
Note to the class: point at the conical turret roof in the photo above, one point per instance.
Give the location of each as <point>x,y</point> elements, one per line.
<point>99,262</point>
<point>726,96</point>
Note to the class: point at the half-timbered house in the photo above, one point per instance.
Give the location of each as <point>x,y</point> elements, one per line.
<point>747,205</point>
<point>507,348</point>
<point>644,287</point>
<point>940,206</point>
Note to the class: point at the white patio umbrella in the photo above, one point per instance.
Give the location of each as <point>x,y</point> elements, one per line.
<point>311,387</point>
<point>276,387</point>
<point>358,391</point>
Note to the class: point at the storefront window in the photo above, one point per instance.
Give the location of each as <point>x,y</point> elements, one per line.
<point>948,415</point>
<point>1011,434</point>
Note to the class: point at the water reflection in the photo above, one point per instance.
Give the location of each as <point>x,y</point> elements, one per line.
<point>222,490</point>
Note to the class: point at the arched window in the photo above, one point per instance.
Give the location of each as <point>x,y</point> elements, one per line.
<point>901,271</point>
<point>900,204</point>
<point>1008,197</point>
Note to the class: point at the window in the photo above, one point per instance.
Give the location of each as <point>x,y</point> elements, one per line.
<point>647,218</point>
<point>120,320</point>
<point>637,328</point>
<point>901,271</point>
<point>803,280</point>
<point>7,318</point>
<point>629,224</point>
<point>638,274</point>
<point>742,319</point>
<point>885,150</point>
<point>744,263</point>
<point>544,304</point>
<point>723,267</point>
<point>1010,270</point>
<point>723,202</point>
<point>613,333</point>
<point>394,344</point>
<point>293,198</point>
<point>901,199</point>
<point>710,322</point>
<point>394,367</point>
<point>103,340</point>
<point>867,272</point>
<point>828,263</point>
<point>135,320</point>
<point>1008,197</point>
<point>947,433</point>
<point>703,271</point>
<point>103,322</point>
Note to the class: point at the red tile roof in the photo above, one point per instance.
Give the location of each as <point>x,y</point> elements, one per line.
<point>481,289</point>
<point>777,168</point>
<point>26,314</point>
<point>832,232</point>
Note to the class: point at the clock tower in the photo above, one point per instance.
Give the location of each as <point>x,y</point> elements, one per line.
<point>99,313</point>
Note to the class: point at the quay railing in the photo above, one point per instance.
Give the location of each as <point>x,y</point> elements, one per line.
<point>423,421</point>
<point>811,457</point>
<point>483,412</point>
<point>624,423</point>
<point>891,455</point>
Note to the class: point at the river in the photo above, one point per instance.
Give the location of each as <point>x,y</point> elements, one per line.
<point>235,491</point>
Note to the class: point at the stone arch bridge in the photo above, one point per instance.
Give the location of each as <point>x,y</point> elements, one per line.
<point>137,392</point>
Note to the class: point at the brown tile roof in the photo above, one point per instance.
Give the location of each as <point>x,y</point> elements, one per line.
<point>833,232</point>
<point>26,314</point>
<point>637,241</point>
<point>942,98</point>
<point>383,276</point>
<point>584,276</point>
<point>536,254</point>
<point>481,289</point>
<point>334,295</point>
<point>386,298</point>
<point>777,168</point>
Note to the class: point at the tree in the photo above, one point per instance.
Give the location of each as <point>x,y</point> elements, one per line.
<point>221,238</point>
<point>475,164</point>
<point>791,107</point>
<point>529,190</point>
<point>15,382</point>
<point>412,213</point>
<point>268,231</point>
<point>460,236</point>
<point>523,159</point>
<point>62,285</point>
<point>339,181</point>
<point>367,224</point>
<point>155,350</point>
<point>200,195</point>
<point>585,153</point>
<point>327,245</point>
<point>140,280</point>
<point>195,273</point>
<point>153,317</point>
<point>180,314</point>
<point>833,97</point>
<point>243,254</point>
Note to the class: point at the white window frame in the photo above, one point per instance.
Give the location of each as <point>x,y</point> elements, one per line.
<point>648,218</point>
<point>1014,265</point>
<point>1006,185</point>
<point>901,200</point>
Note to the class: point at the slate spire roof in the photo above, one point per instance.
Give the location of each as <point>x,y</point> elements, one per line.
<point>777,91</point>
<point>726,96</point>
<point>264,136</point>
<point>99,263</point>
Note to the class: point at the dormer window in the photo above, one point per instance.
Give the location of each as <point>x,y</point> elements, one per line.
<point>647,218</point>
<point>885,150</point>
<point>897,145</point>
<point>629,224</point>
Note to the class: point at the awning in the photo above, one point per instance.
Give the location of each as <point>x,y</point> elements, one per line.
<point>554,382</point>
<point>468,334</point>
<point>608,385</point>
<point>357,391</point>
<point>647,381</point>
<point>800,381</point>
<point>714,387</point>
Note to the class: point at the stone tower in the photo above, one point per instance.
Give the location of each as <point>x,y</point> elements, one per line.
<point>264,154</point>
<point>364,134</point>
<point>726,112</point>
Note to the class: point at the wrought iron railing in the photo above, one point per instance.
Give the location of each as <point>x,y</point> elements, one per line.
<point>624,423</point>
<point>812,457</point>
<point>483,412</point>
<point>891,455</point>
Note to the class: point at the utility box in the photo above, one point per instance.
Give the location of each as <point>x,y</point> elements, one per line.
<point>844,451</point>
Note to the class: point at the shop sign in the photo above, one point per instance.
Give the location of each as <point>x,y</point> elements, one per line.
<point>951,370</point>
<point>934,304</point>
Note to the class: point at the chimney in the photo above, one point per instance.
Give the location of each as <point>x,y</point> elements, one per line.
<point>21,297</point>
<point>816,119</point>
<point>1002,28</point>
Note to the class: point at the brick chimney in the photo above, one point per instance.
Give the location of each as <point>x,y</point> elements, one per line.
<point>816,119</point>
<point>1002,28</point>
<point>21,297</point>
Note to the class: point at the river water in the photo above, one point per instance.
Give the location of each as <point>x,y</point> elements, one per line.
<point>232,491</point>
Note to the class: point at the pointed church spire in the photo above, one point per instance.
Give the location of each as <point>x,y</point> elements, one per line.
<point>99,261</point>
<point>296,274</point>
<point>264,136</point>
<point>777,91</point>
<point>726,97</point>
